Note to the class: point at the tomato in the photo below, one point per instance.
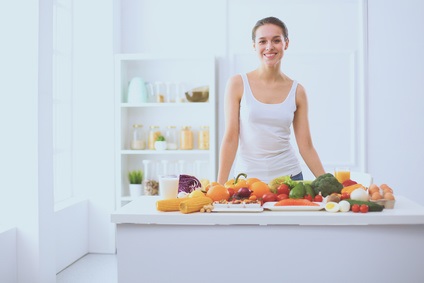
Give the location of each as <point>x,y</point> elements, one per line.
<point>318,198</point>
<point>282,196</point>
<point>364,208</point>
<point>269,197</point>
<point>355,207</point>
<point>345,196</point>
<point>231,191</point>
<point>308,197</point>
<point>283,189</point>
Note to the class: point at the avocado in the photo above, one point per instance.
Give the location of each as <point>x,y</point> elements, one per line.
<point>298,191</point>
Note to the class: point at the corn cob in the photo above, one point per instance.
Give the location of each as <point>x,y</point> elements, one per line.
<point>169,204</point>
<point>194,204</point>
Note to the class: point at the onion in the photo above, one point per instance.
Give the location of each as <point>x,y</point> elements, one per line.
<point>243,192</point>
<point>359,194</point>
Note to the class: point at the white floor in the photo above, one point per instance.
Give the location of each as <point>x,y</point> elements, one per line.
<point>92,268</point>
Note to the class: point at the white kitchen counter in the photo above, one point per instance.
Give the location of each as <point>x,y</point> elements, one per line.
<point>277,246</point>
<point>143,211</point>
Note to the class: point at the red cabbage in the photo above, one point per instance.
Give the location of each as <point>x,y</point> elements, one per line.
<point>188,183</point>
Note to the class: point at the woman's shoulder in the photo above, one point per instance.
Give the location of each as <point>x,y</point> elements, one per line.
<point>235,84</point>
<point>236,79</point>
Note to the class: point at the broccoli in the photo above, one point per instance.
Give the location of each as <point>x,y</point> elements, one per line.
<point>326,184</point>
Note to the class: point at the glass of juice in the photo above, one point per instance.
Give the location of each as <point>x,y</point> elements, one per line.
<point>342,174</point>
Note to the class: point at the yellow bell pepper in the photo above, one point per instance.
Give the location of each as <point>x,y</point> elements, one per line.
<point>236,183</point>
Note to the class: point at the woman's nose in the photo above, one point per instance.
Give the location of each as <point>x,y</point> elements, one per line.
<point>269,46</point>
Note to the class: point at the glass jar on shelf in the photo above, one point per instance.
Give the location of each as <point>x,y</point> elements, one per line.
<point>160,91</point>
<point>186,138</point>
<point>203,137</point>
<point>137,139</point>
<point>150,183</point>
<point>154,133</point>
<point>171,92</point>
<point>171,137</point>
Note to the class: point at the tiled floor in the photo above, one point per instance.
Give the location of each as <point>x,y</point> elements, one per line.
<point>92,268</point>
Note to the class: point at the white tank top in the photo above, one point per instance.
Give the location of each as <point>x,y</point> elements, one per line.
<point>265,151</point>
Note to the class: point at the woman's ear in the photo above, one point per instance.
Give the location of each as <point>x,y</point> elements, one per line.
<point>254,46</point>
<point>287,44</point>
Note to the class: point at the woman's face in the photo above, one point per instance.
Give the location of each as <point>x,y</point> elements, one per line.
<point>270,44</point>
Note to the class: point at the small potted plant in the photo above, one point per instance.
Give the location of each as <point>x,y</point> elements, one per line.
<point>135,178</point>
<point>160,143</point>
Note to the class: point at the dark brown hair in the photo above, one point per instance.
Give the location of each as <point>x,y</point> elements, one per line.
<point>270,20</point>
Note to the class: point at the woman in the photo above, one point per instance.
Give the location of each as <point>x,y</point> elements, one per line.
<point>260,108</point>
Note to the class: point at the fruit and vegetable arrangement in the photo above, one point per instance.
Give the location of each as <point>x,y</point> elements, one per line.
<point>325,192</point>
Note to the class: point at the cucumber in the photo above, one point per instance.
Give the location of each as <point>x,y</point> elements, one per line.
<point>371,205</point>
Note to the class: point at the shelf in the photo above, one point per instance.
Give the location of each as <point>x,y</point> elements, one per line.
<point>164,152</point>
<point>172,105</point>
<point>191,72</point>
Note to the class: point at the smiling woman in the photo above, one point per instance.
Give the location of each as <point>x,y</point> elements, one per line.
<point>266,103</point>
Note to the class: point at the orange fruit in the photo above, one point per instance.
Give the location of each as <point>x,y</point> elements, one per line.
<point>259,188</point>
<point>250,181</point>
<point>210,185</point>
<point>218,193</point>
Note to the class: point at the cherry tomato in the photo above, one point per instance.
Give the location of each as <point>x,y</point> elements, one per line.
<point>345,196</point>
<point>308,197</point>
<point>282,196</point>
<point>364,208</point>
<point>283,189</point>
<point>355,207</point>
<point>318,198</point>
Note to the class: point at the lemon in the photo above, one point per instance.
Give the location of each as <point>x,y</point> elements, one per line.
<point>196,193</point>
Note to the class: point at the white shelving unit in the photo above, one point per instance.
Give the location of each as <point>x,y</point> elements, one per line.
<point>192,72</point>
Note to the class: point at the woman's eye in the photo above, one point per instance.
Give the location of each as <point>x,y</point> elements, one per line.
<point>277,40</point>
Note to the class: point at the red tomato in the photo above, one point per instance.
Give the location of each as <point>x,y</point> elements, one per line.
<point>364,208</point>
<point>231,191</point>
<point>318,198</point>
<point>355,207</point>
<point>308,197</point>
<point>283,189</point>
<point>282,196</point>
<point>269,197</point>
<point>345,196</point>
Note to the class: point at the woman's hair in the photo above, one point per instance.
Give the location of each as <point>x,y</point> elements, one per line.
<point>270,20</point>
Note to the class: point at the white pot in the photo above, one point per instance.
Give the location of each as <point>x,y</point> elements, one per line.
<point>136,190</point>
<point>160,145</point>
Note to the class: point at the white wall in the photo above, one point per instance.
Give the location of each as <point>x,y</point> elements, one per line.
<point>94,118</point>
<point>71,232</point>
<point>395,134</point>
<point>26,192</point>
<point>8,266</point>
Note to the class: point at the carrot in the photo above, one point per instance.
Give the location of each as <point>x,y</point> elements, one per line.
<point>299,202</point>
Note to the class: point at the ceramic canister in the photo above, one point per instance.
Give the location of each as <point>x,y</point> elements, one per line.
<point>137,92</point>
